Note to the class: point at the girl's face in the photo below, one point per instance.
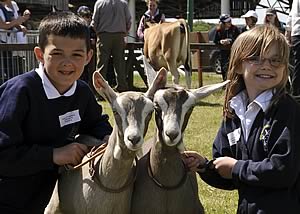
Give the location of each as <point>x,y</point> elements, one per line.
<point>271,18</point>
<point>64,59</point>
<point>249,21</point>
<point>152,6</point>
<point>264,73</point>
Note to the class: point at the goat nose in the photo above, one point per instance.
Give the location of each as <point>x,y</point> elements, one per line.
<point>134,139</point>
<point>172,134</point>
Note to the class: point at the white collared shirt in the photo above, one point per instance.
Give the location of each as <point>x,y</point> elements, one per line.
<point>50,90</point>
<point>248,112</point>
<point>148,12</point>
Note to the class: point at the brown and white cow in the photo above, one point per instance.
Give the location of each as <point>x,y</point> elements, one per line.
<point>167,45</point>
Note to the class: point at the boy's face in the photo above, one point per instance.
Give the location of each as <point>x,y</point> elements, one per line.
<point>64,59</point>
<point>227,24</point>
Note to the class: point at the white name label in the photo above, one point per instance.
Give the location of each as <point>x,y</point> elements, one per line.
<point>69,118</point>
<point>234,137</point>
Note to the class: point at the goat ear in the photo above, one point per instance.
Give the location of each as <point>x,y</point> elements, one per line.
<point>204,91</point>
<point>102,87</point>
<point>159,82</point>
<point>149,71</point>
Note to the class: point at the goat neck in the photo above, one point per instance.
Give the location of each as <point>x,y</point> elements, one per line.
<point>132,113</point>
<point>173,107</point>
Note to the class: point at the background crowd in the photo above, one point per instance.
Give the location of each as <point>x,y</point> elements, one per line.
<point>109,34</point>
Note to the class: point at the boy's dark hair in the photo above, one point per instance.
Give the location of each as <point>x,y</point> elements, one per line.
<point>66,24</point>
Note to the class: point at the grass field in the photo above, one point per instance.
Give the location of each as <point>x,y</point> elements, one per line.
<point>199,136</point>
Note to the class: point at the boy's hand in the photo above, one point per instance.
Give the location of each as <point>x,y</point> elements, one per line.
<point>224,166</point>
<point>193,160</point>
<point>71,154</point>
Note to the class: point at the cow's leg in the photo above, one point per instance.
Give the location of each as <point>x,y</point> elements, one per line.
<point>188,77</point>
<point>173,69</point>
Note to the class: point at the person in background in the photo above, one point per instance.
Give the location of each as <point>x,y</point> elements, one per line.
<point>21,29</point>
<point>226,34</point>
<point>85,13</point>
<point>10,18</point>
<point>271,18</point>
<point>256,150</point>
<point>7,23</point>
<point>292,34</point>
<point>112,21</point>
<point>41,113</point>
<point>250,19</point>
<point>152,15</point>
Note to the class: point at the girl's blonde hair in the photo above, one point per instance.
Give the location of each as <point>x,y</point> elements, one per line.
<point>255,42</point>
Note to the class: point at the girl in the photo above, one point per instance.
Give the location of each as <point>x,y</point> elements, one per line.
<point>272,19</point>
<point>152,15</point>
<point>250,19</point>
<point>257,148</point>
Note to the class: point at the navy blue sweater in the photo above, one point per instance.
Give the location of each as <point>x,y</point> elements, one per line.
<point>29,130</point>
<point>267,173</point>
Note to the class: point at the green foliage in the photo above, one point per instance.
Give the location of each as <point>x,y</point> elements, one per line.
<point>202,26</point>
<point>199,135</point>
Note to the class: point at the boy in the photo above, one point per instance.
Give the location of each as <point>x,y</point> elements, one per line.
<point>40,113</point>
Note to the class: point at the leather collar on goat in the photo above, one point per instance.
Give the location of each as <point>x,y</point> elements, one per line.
<point>127,184</point>
<point>160,185</point>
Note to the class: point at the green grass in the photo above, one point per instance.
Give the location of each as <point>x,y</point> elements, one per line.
<point>202,26</point>
<point>199,136</point>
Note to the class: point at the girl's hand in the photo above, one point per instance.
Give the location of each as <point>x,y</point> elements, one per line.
<point>224,166</point>
<point>193,160</point>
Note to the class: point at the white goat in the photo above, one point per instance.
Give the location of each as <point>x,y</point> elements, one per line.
<point>109,191</point>
<point>163,184</point>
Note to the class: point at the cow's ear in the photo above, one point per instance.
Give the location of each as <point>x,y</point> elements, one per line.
<point>159,82</point>
<point>206,90</point>
<point>103,88</point>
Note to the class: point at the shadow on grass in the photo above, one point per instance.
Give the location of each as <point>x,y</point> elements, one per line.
<point>202,103</point>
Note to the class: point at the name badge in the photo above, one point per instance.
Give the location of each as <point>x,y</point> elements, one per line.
<point>234,137</point>
<point>69,118</point>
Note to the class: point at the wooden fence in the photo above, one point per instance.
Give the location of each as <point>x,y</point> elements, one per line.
<point>18,58</point>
